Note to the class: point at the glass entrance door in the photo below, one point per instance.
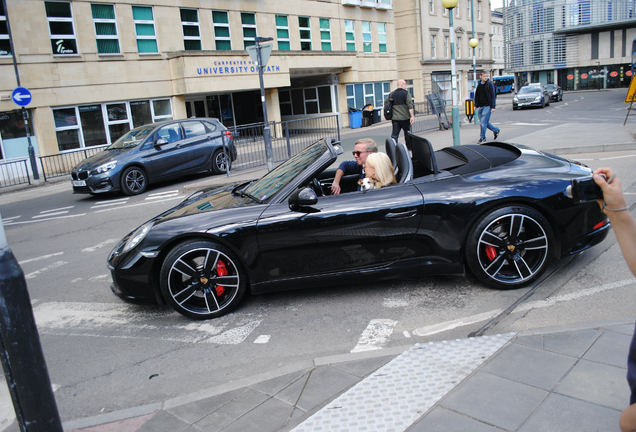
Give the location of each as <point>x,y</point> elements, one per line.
<point>196,108</point>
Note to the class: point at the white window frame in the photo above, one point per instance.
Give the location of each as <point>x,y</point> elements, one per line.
<point>5,37</point>
<point>382,35</point>
<point>431,7</point>
<point>481,44</point>
<point>107,37</point>
<point>225,25</point>
<point>446,47</point>
<point>479,10</point>
<point>249,26</point>
<point>191,24</point>
<point>327,31</point>
<point>300,29</point>
<point>61,19</point>
<point>352,32</point>
<point>433,46</point>
<point>457,11</point>
<point>468,9</point>
<point>286,28</point>
<point>367,33</point>
<point>146,22</point>
<point>458,47</point>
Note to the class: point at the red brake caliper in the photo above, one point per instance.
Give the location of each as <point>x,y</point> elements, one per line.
<point>220,271</point>
<point>491,252</point>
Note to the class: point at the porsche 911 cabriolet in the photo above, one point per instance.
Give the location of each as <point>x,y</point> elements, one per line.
<point>497,210</point>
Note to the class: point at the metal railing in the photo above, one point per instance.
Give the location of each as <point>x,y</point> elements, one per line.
<point>288,138</point>
<point>61,164</point>
<point>14,173</point>
<point>425,119</point>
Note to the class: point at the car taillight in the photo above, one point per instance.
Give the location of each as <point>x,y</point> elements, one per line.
<point>229,134</point>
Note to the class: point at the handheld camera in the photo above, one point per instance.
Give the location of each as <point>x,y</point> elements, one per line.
<point>584,189</point>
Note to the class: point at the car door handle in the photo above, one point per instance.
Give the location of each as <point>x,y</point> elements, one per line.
<point>401,215</point>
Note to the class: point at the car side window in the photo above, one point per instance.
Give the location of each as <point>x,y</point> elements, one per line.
<point>170,133</point>
<point>211,126</point>
<point>194,128</point>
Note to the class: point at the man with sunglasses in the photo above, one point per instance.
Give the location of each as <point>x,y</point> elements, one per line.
<point>362,149</point>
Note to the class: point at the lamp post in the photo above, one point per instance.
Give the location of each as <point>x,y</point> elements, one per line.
<point>473,42</point>
<point>450,5</point>
<point>269,153</point>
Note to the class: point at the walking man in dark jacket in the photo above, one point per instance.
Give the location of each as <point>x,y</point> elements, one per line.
<point>403,112</point>
<point>485,103</point>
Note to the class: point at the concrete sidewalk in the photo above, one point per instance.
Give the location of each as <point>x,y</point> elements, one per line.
<point>554,379</point>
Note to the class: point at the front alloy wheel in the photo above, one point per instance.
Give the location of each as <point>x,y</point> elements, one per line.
<point>221,162</point>
<point>200,280</point>
<point>133,181</point>
<point>509,247</point>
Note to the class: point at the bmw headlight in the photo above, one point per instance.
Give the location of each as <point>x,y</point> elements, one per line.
<point>538,98</point>
<point>104,168</point>
<point>137,236</point>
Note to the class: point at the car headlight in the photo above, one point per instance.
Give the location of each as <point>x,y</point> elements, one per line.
<point>515,99</point>
<point>103,168</point>
<point>137,236</point>
<point>538,98</point>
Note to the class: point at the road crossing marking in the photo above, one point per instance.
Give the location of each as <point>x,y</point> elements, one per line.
<point>375,335</point>
<point>40,258</point>
<point>42,220</point>
<point>102,204</point>
<point>53,212</point>
<point>162,195</point>
<point>57,209</point>
<point>100,245</point>
<point>45,269</point>
<point>138,204</point>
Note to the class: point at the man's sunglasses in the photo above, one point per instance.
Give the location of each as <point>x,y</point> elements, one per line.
<point>358,153</point>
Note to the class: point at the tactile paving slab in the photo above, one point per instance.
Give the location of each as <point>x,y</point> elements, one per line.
<point>403,390</point>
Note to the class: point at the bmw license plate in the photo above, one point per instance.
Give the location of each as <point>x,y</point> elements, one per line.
<point>79,183</point>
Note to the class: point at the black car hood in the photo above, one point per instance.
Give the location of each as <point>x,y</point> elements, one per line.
<point>100,158</point>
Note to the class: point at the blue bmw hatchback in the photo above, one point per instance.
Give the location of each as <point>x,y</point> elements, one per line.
<point>156,152</point>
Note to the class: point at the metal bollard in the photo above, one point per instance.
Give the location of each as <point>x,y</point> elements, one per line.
<point>21,352</point>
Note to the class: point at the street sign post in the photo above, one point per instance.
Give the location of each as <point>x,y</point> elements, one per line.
<point>260,54</point>
<point>22,97</point>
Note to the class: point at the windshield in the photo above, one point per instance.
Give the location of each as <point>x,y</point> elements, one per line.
<point>530,90</point>
<point>283,174</point>
<point>132,138</point>
<point>550,87</point>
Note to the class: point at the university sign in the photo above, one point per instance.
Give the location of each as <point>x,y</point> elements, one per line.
<point>234,67</point>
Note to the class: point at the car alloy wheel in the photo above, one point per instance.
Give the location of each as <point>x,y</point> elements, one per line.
<point>509,247</point>
<point>133,181</point>
<point>200,280</point>
<point>221,162</point>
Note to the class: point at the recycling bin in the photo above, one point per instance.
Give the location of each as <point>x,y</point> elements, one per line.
<point>355,119</point>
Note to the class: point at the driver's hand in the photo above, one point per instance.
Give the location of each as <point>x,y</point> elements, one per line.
<point>335,188</point>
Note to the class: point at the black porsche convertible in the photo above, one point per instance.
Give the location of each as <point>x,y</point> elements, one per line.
<point>497,210</point>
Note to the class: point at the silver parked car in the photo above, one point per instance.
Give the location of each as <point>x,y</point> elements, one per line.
<point>531,95</point>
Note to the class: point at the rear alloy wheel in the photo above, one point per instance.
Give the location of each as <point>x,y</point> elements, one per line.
<point>133,181</point>
<point>221,162</point>
<point>201,280</point>
<point>509,247</point>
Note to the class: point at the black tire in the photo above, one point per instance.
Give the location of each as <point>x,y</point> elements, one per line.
<point>193,283</point>
<point>509,248</point>
<point>221,162</point>
<point>548,104</point>
<point>133,181</point>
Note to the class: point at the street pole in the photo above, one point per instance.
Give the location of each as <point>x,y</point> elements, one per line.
<point>450,5</point>
<point>266,132</point>
<point>473,44</point>
<point>25,115</point>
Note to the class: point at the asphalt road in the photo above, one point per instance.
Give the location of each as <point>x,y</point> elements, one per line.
<point>105,355</point>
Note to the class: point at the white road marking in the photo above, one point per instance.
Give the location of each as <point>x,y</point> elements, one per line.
<point>262,339</point>
<point>449,325</point>
<point>236,335</point>
<point>395,302</point>
<point>528,124</point>
<point>40,258</point>
<point>50,214</point>
<point>618,157</point>
<point>100,277</point>
<point>139,204</point>
<point>406,334</point>
<point>375,335</point>
<point>102,204</point>
<point>11,218</point>
<point>45,269</point>
<point>42,220</point>
<point>162,194</point>
<point>57,209</point>
<point>100,245</point>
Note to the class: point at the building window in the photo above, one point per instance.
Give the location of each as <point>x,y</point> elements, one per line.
<point>105,28</point>
<point>5,43</point>
<point>458,48</point>
<point>468,3</point>
<point>382,37</point>
<point>361,95</point>
<point>444,11</point>
<point>479,10</point>
<point>350,35</point>
<point>305,33</point>
<point>446,47</point>
<point>433,46</point>
<point>221,30</point>
<point>431,7</point>
<point>282,32</point>
<point>191,30</point>
<point>145,28</point>
<point>248,20</point>
<point>537,52</point>
<point>100,124</point>
<point>481,49</point>
<point>13,131</point>
<point>325,34</point>
<point>312,100</point>
<point>366,36</point>
<point>61,28</point>
<point>457,11</point>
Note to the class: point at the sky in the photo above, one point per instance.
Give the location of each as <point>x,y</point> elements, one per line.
<point>495,4</point>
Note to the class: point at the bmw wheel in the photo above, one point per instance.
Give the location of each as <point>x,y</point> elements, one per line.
<point>133,181</point>
<point>509,247</point>
<point>201,280</point>
<point>221,162</point>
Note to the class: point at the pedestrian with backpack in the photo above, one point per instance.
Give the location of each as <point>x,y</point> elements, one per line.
<point>401,111</point>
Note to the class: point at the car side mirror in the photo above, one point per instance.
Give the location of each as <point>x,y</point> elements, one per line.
<point>302,198</point>
<point>160,142</point>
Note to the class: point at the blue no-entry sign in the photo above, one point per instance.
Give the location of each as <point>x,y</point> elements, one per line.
<point>21,96</point>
